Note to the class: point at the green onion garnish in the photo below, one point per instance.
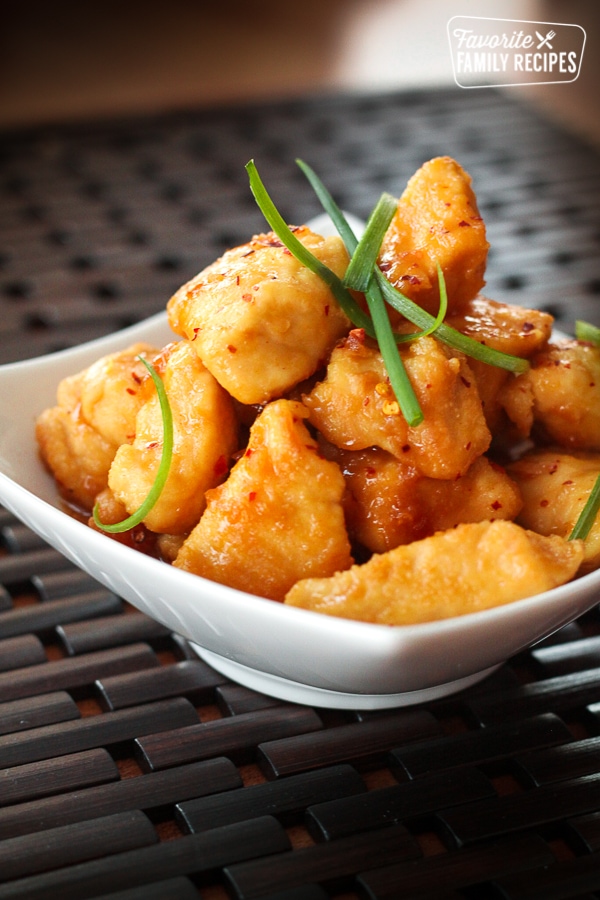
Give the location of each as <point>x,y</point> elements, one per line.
<point>585,331</point>
<point>360,271</point>
<point>406,307</point>
<point>588,514</point>
<point>163,469</point>
<point>455,339</point>
<point>441,315</point>
<point>278,224</point>
<point>378,326</point>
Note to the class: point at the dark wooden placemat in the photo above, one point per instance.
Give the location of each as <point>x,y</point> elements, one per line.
<point>128,768</point>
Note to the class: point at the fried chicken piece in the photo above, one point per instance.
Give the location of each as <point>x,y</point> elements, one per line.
<point>259,320</point>
<point>204,438</point>
<point>559,398</point>
<point>389,503</point>
<point>555,487</point>
<point>354,407</point>
<point>437,221</point>
<point>511,329</point>
<point>278,517</point>
<point>95,413</point>
<point>469,568</point>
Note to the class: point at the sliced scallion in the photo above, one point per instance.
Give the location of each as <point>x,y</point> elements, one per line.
<point>588,514</point>
<point>164,466</point>
<point>377,325</point>
<point>450,336</point>
<point>585,331</point>
<point>360,270</point>
<point>406,307</point>
<point>278,224</point>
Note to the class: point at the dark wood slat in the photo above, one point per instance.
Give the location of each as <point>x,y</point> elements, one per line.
<point>557,763</point>
<point>561,881</point>
<point>109,631</point>
<point>435,875</point>
<point>21,715</point>
<point>66,674</point>
<point>65,583</point>
<point>190,677</point>
<point>235,699</point>
<point>42,617</point>
<point>188,855</point>
<point>20,652</point>
<point>574,691</point>
<point>72,844</point>
<point>322,862</point>
<point>180,888</point>
<point>141,792</point>
<point>481,745</point>
<point>56,776</point>
<point>518,812</point>
<point>304,892</point>
<point>284,799</point>
<point>585,831</point>
<point>19,567</point>
<point>95,731</point>
<point>398,803</point>
<point>18,538</point>
<point>345,743</point>
<point>5,599</point>
<point>574,656</point>
<point>227,736</point>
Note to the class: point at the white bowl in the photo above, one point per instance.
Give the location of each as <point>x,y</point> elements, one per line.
<point>289,653</point>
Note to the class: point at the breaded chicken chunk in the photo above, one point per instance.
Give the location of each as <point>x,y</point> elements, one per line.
<point>95,413</point>
<point>354,407</point>
<point>511,329</point>
<point>205,436</point>
<point>463,570</point>
<point>559,398</point>
<point>389,503</point>
<point>278,517</point>
<point>437,221</point>
<point>555,486</point>
<point>259,320</point>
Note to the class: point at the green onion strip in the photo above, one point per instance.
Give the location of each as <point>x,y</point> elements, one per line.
<point>377,325</point>
<point>163,469</point>
<point>585,331</point>
<point>588,514</point>
<point>408,308</point>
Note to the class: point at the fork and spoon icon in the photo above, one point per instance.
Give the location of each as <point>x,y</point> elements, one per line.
<point>545,41</point>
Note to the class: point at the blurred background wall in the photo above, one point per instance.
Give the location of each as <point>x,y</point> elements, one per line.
<point>67,60</point>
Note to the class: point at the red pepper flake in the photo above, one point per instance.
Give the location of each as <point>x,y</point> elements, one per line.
<point>249,451</point>
<point>465,381</point>
<point>231,348</point>
<point>553,469</point>
<point>131,391</point>
<point>237,279</point>
<point>247,298</point>
<point>327,309</point>
<point>568,481</point>
<point>355,339</point>
<point>136,377</point>
<point>544,503</point>
<point>287,252</point>
<point>151,445</point>
<point>248,253</point>
<point>468,446</point>
<point>252,496</point>
<point>406,448</point>
<point>410,279</point>
<point>528,326</point>
<point>366,401</point>
<point>196,330</point>
<point>463,224</point>
<point>385,266</point>
<point>220,467</point>
<point>371,471</point>
<point>496,505</point>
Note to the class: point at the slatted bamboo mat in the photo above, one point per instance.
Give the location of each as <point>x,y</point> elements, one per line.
<point>128,768</point>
